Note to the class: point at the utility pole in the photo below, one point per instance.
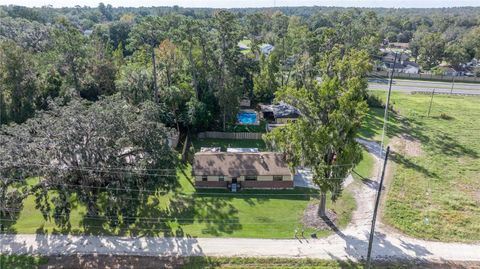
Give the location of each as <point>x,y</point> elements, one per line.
<point>453,83</point>
<point>387,104</point>
<point>377,201</point>
<point>431,101</point>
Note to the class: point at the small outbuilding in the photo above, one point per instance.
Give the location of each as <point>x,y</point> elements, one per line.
<point>280,113</point>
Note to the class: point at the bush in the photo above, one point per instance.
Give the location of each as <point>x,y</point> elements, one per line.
<point>374,101</point>
<point>444,116</point>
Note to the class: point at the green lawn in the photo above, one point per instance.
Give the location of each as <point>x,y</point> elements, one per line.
<point>251,213</point>
<point>364,170</point>
<point>236,262</point>
<point>21,261</point>
<point>434,195</point>
<point>194,262</point>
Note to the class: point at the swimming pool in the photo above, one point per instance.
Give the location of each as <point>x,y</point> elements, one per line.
<point>247,117</point>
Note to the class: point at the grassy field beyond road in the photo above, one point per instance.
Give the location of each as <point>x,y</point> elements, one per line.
<point>434,193</point>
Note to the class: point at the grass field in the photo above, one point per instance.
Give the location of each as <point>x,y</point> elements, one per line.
<point>198,262</point>
<point>251,213</point>
<point>21,261</point>
<point>434,193</point>
<point>364,170</point>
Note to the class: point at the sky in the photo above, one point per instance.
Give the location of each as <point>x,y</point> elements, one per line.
<point>247,3</point>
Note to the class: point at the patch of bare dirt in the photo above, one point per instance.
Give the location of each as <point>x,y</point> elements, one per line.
<point>476,196</point>
<point>311,219</point>
<point>407,145</point>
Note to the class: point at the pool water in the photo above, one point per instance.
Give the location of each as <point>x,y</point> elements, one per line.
<point>247,117</point>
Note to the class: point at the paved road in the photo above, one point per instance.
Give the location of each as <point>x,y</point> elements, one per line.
<point>350,243</point>
<point>428,86</point>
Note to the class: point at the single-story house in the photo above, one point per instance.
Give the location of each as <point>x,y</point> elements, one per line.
<point>400,67</point>
<point>280,113</point>
<point>406,67</point>
<point>451,71</point>
<point>389,57</point>
<point>264,170</point>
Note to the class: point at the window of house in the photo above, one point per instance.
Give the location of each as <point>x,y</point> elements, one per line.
<point>277,178</point>
<point>221,178</point>
<point>204,178</point>
<point>251,178</point>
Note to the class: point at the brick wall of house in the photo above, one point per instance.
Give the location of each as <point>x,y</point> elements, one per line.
<point>211,184</point>
<point>267,184</point>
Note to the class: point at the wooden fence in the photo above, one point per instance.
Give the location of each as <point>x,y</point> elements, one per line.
<point>225,135</point>
<point>385,74</point>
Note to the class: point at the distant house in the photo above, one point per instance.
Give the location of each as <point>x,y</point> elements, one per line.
<point>245,48</point>
<point>263,170</point>
<point>88,32</point>
<point>266,49</point>
<point>389,57</point>
<point>451,71</point>
<point>407,67</point>
<point>399,45</point>
<point>280,113</point>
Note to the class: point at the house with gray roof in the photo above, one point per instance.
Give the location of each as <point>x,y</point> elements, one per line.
<point>257,170</point>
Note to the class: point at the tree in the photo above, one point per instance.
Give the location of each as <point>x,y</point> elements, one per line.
<point>108,150</point>
<point>70,45</point>
<point>432,48</point>
<point>228,82</point>
<point>169,62</point>
<point>456,54</point>
<point>149,32</point>
<point>17,83</point>
<point>134,83</point>
<point>100,71</point>
<point>332,112</point>
<point>265,83</point>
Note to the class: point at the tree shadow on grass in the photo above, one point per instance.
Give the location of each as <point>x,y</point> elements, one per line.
<point>447,145</point>
<point>406,162</point>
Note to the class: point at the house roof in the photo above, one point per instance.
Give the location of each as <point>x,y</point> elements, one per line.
<point>233,150</point>
<point>240,164</point>
<point>282,110</point>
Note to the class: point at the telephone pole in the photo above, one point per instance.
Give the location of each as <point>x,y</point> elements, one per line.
<point>377,201</point>
<point>431,101</point>
<point>453,83</point>
<point>387,104</point>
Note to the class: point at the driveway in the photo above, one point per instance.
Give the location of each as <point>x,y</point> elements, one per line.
<point>304,179</point>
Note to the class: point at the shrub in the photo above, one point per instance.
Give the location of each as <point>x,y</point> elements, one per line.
<point>374,101</point>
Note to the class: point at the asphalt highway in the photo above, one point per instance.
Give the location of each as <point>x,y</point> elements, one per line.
<point>425,86</point>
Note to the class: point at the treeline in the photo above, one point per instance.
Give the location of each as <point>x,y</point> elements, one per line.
<point>188,60</point>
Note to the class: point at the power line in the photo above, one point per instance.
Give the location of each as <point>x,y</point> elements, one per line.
<point>190,193</point>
